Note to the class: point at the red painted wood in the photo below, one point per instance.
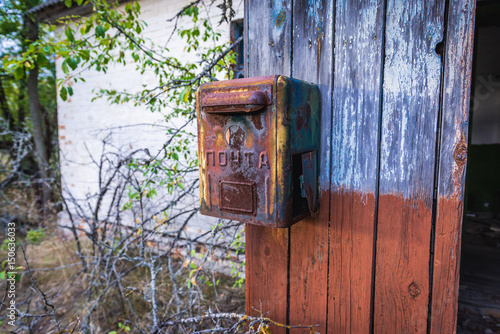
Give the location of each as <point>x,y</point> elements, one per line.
<point>411,93</point>
<point>402,265</point>
<point>351,262</point>
<point>309,271</point>
<point>309,238</point>
<point>356,122</point>
<point>446,265</point>
<point>267,273</point>
<point>268,32</point>
<point>393,290</point>
<point>458,52</point>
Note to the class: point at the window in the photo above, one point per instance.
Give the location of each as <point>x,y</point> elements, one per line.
<point>236,32</point>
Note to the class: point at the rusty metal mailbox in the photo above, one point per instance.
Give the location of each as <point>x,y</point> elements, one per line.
<point>258,142</point>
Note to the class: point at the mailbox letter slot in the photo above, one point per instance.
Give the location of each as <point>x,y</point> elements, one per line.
<point>258,144</point>
<point>234,102</point>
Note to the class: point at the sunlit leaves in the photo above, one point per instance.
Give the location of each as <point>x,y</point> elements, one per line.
<point>72,62</point>
<point>185,94</point>
<point>19,72</point>
<point>111,37</point>
<point>63,93</point>
<point>100,31</point>
<point>69,35</point>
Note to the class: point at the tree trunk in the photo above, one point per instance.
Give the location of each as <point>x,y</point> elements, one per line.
<point>4,107</point>
<point>41,150</point>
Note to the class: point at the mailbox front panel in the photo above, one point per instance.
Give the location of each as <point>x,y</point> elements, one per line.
<point>258,144</point>
<point>237,149</point>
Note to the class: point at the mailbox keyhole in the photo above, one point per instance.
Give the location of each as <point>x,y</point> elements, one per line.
<point>299,203</point>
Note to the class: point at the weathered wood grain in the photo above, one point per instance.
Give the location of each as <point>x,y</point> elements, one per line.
<point>267,273</point>
<point>458,51</point>
<point>269,32</point>
<point>269,38</point>
<point>411,91</point>
<point>380,138</point>
<point>312,61</point>
<point>355,133</point>
<point>351,262</point>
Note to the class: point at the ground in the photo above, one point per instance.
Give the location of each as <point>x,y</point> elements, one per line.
<point>479,296</point>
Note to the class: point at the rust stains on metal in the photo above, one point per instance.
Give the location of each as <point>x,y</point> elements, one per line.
<point>233,102</point>
<point>252,149</point>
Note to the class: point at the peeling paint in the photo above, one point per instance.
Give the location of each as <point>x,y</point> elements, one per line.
<point>411,99</point>
<point>258,138</point>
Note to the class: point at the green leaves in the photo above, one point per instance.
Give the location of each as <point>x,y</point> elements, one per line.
<point>100,31</point>
<point>185,95</point>
<point>41,60</point>
<point>63,93</point>
<point>137,7</point>
<point>72,62</point>
<point>19,72</point>
<point>69,34</point>
<point>128,8</point>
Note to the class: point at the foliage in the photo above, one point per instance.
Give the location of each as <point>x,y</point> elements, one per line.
<point>145,186</point>
<point>19,171</point>
<point>35,235</point>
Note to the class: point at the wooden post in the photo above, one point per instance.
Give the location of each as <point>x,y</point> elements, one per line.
<point>268,34</point>
<point>355,146</point>
<point>411,92</point>
<point>458,50</point>
<point>313,61</point>
<point>382,254</point>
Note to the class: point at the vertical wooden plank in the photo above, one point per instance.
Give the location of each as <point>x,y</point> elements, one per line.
<point>458,51</point>
<point>267,272</point>
<point>246,45</point>
<point>356,117</point>
<point>269,33</point>
<point>269,37</point>
<point>411,91</point>
<point>312,61</point>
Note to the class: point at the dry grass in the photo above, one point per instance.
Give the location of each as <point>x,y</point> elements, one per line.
<point>57,271</point>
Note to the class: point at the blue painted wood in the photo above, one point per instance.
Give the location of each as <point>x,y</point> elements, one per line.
<point>456,95</point>
<point>411,92</point>
<point>412,71</point>
<point>356,98</point>
<point>387,86</point>
<point>458,52</point>
<point>358,42</point>
<point>269,35</point>
<point>312,61</point>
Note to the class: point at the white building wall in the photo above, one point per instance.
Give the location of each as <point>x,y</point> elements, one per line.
<point>84,124</point>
